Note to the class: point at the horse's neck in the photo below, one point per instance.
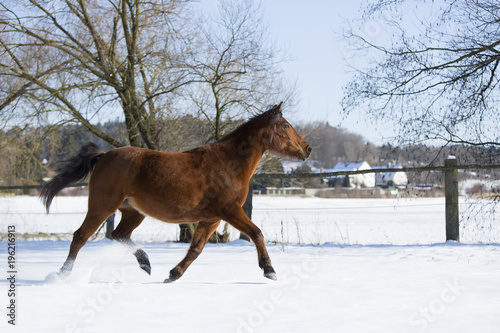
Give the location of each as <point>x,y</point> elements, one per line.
<point>244,153</point>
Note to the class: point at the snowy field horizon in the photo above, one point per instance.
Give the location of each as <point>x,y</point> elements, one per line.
<point>287,220</point>
<point>343,265</point>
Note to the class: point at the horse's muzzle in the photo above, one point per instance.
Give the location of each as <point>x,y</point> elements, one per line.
<point>305,153</point>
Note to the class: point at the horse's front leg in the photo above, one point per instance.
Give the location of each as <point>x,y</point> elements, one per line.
<point>201,235</point>
<point>238,219</point>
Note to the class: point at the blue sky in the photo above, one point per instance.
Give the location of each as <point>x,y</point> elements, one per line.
<point>310,32</point>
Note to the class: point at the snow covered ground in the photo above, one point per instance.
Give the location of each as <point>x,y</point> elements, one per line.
<point>413,282</point>
<point>424,288</point>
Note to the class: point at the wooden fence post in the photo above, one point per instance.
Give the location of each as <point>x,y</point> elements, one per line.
<point>110,226</point>
<point>451,193</point>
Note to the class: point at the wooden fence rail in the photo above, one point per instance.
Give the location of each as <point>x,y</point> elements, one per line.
<point>359,172</point>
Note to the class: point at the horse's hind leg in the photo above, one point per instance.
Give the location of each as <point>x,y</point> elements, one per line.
<point>201,235</point>
<point>130,220</point>
<point>94,218</point>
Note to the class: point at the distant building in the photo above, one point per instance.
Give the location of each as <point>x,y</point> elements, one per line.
<point>285,191</point>
<point>390,179</point>
<point>356,181</point>
<point>289,166</point>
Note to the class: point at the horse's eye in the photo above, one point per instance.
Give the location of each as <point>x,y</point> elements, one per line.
<point>286,126</point>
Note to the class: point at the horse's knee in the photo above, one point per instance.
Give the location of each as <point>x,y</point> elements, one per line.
<point>256,236</point>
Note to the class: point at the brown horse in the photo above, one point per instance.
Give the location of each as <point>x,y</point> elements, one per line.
<point>205,184</point>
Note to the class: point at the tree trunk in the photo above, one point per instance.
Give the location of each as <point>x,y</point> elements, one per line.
<point>186,233</point>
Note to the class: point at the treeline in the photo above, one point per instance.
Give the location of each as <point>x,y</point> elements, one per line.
<point>28,155</point>
<point>28,158</point>
<point>333,145</point>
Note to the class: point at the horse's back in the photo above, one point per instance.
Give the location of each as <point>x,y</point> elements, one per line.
<point>138,167</point>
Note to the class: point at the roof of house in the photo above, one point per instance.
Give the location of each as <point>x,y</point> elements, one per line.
<point>349,166</point>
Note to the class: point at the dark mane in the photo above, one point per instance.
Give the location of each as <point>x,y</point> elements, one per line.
<point>257,121</point>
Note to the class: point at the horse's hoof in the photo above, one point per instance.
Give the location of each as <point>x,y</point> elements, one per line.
<point>54,278</point>
<point>271,275</point>
<point>64,273</point>
<point>143,260</point>
<point>146,268</point>
<point>173,276</point>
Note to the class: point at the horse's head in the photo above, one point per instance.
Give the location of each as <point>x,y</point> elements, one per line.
<point>282,137</point>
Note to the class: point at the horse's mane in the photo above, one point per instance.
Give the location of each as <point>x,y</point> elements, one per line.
<point>257,121</point>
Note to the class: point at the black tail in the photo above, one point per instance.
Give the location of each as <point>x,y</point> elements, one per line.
<point>76,169</point>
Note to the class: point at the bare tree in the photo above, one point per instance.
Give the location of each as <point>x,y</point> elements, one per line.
<point>237,66</point>
<point>81,61</point>
<point>433,74</point>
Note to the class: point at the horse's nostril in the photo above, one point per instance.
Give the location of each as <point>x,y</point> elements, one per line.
<point>309,150</point>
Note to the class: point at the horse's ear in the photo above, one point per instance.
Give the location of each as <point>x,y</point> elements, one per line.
<point>275,114</point>
<point>279,106</point>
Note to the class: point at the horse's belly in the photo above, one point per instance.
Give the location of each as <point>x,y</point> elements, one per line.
<point>173,211</point>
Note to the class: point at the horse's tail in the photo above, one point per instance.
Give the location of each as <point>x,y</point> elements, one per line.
<point>76,169</point>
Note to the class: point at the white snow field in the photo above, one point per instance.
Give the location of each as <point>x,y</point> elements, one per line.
<point>291,220</point>
<point>370,266</point>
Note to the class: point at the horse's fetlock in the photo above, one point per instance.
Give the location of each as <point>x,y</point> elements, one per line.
<point>175,273</point>
<point>117,236</point>
<point>77,236</point>
<point>265,264</point>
